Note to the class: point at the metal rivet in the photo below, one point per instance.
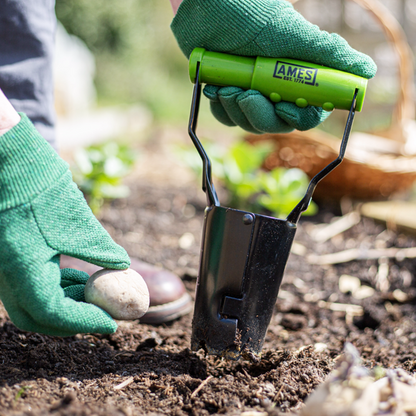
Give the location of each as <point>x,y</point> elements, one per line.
<point>248,219</point>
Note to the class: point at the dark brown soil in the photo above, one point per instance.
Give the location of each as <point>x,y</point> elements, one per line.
<point>79,375</point>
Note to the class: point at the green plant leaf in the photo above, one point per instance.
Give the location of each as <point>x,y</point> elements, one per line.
<point>99,170</point>
<point>239,170</point>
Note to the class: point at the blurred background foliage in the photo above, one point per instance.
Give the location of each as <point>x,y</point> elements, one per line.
<point>138,62</point>
<point>238,170</point>
<point>137,58</point>
<point>99,171</point>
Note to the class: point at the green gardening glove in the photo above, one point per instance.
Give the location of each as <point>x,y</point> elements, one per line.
<point>269,28</point>
<point>43,215</point>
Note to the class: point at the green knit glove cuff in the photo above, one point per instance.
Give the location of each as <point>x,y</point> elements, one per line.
<point>28,165</point>
<point>263,28</point>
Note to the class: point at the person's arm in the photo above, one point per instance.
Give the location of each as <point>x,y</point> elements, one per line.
<point>175,4</point>
<point>8,115</point>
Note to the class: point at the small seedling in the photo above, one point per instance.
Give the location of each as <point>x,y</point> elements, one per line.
<point>249,187</point>
<point>99,170</point>
<point>282,190</point>
<point>20,392</point>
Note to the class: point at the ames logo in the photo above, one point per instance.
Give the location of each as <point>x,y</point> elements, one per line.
<point>295,73</point>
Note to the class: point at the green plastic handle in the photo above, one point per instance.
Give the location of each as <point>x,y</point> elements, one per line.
<point>298,82</point>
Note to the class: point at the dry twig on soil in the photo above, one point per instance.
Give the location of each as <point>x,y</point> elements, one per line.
<point>125,383</point>
<point>340,225</point>
<point>361,254</point>
<point>201,386</point>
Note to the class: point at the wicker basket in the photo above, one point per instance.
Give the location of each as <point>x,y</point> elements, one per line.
<point>377,164</point>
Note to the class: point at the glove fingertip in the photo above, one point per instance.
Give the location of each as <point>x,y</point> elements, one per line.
<point>301,119</point>
<point>230,93</point>
<point>211,92</point>
<point>361,65</point>
<point>370,69</point>
<point>74,276</point>
<point>119,266</point>
<point>249,94</point>
<point>218,111</point>
<point>75,292</point>
<point>109,257</point>
<point>93,319</point>
<point>108,326</point>
<point>260,113</point>
<point>111,328</point>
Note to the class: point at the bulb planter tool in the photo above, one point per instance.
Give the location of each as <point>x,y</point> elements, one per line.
<point>243,254</point>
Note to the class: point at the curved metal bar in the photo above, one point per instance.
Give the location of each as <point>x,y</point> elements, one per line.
<point>207,185</point>
<point>303,205</point>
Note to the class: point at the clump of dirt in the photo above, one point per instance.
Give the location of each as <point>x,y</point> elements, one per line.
<point>142,369</point>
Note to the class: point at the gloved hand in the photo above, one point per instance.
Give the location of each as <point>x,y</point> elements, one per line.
<point>269,28</point>
<point>43,214</point>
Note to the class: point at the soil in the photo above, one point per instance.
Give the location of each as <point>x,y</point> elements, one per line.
<point>161,223</point>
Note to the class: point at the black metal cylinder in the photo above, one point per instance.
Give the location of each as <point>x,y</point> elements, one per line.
<point>243,258</point>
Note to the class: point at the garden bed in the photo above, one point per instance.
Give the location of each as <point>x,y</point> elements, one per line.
<point>143,369</point>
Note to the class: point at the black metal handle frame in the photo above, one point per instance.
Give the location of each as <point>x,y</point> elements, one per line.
<point>208,186</point>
